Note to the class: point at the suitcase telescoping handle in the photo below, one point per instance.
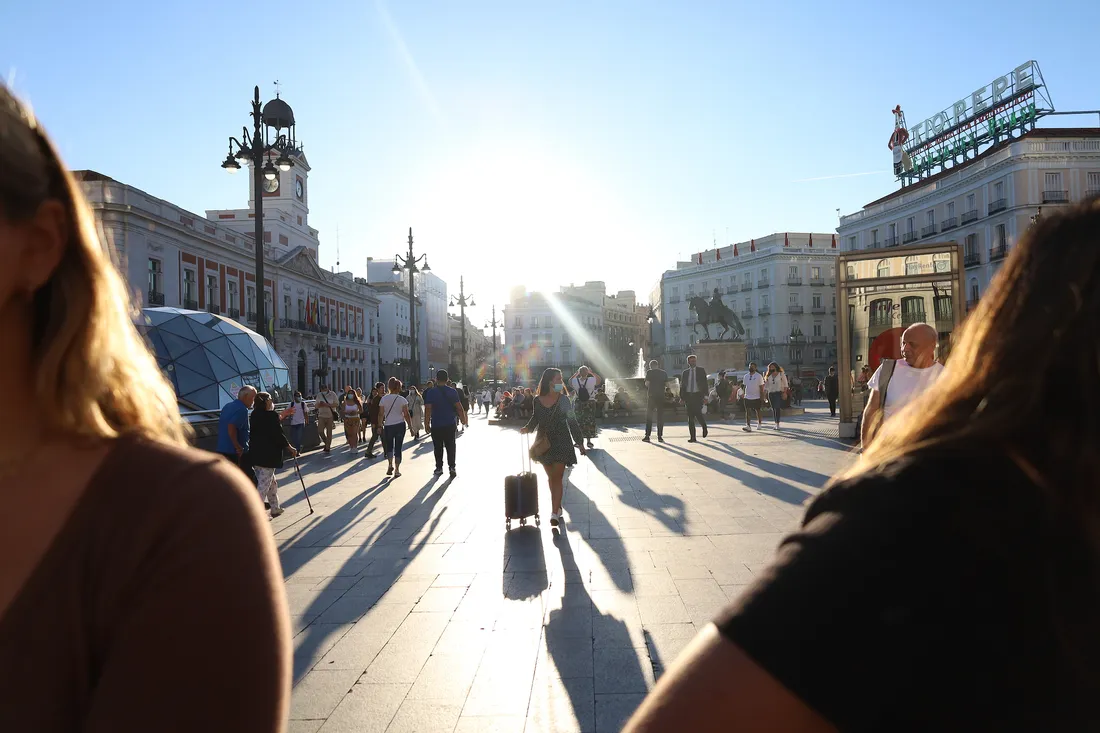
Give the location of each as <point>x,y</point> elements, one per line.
<point>525,450</point>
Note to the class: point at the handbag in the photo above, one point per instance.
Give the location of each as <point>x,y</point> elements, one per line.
<point>542,441</point>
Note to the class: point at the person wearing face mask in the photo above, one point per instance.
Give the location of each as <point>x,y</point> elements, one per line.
<point>778,389</point>
<point>297,414</point>
<point>554,418</point>
<point>265,449</point>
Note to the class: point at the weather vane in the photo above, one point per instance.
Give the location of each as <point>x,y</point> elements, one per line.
<point>276,89</point>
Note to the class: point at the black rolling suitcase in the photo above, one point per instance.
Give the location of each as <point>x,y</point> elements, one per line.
<point>521,494</point>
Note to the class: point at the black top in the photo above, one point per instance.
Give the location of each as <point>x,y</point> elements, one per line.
<point>723,389</point>
<point>940,594</point>
<point>266,440</point>
<point>657,379</point>
<point>832,387</point>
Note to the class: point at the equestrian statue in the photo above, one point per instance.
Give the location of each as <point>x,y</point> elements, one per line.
<point>715,312</point>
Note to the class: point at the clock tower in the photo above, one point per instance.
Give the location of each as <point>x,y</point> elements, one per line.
<point>288,192</point>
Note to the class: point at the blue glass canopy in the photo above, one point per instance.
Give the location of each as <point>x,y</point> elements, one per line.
<point>208,358</point>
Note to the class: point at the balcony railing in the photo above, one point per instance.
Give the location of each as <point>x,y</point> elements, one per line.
<point>746,286</point>
<point>969,216</point>
<point>675,323</point>
<point>359,336</point>
<point>892,242</point>
<point>234,312</point>
<point>950,223</point>
<point>764,311</point>
<point>191,305</point>
<point>794,309</point>
<point>818,310</point>
<point>817,340</point>
<point>674,299</point>
<point>998,205</point>
<point>945,315</point>
<point>972,259</point>
<point>763,283</point>
<point>928,231</point>
<point>1090,192</point>
<point>155,298</point>
<point>730,289</point>
<point>908,318</point>
<point>747,313</point>
<point>213,308</point>
<point>1055,197</point>
<point>817,281</point>
<point>880,320</point>
<point>998,252</point>
<point>251,316</point>
<point>794,281</point>
<point>909,237</point>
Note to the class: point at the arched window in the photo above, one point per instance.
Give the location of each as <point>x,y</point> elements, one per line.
<point>974,291</point>
<point>851,272</point>
<point>881,311</point>
<point>883,269</point>
<point>912,310</point>
<point>912,265</point>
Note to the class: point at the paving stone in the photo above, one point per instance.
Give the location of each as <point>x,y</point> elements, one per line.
<point>366,709</point>
<point>490,724</point>
<point>419,716</point>
<point>318,694</point>
<point>446,677</point>
<point>622,670</point>
<point>663,610</point>
<point>612,711</point>
<point>562,705</point>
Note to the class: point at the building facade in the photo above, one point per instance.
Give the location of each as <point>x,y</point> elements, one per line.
<point>395,338</point>
<point>782,288</point>
<point>556,330</point>
<point>985,204</point>
<point>433,342</point>
<point>624,324</point>
<point>479,348</point>
<point>322,324</point>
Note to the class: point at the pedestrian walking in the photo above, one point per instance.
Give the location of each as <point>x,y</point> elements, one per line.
<point>896,383</point>
<point>416,412</point>
<point>233,430</point>
<point>724,390</point>
<point>298,416</point>
<point>655,380</point>
<point>693,388</point>
<point>584,383</point>
<point>265,452</point>
<point>362,423</point>
<point>328,411</point>
<point>393,410</point>
<point>464,398</point>
<point>555,419</point>
<point>831,387</point>
<point>352,413</point>
<point>130,559</point>
<point>487,400</point>
<point>443,411</point>
<point>371,407</point>
<point>755,393</point>
<point>777,388</point>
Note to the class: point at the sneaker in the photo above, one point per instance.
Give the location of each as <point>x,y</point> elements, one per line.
<point>646,439</point>
<point>453,473</point>
<point>692,440</point>
<point>660,439</point>
<point>438,472</point>
<point>553,520</point>
<point>276,512</point>
<point>747,429</point>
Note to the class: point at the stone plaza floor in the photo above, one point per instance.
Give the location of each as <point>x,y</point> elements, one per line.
<point>414,610</point>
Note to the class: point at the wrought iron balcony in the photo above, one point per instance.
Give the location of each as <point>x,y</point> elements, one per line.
<point>746,286</point>
<point>251,316</point>
<point>359,336</point>
<point>794,281</point>
<point>908,318</point>
<point>213,308</point>
<point>928,231</point>
<point>818,339</point>
<point>945,315</point>
<point>764,311</point>
<point>191,305</point>
<point>892,242</point>
<point>909,237</point>
<point>950,223</point>
<point>972,259</point>
<point>674,299</point>
<point>1090,192</point>
<point>1055,197</point>
<point>998,205</point>
<point>333,331</point>
<point>763,283</point>
<point>818,310</point>
<point>998,252</point>
<point>155,298</point>
<point>880,320</point>
<point>817,281</point>
<point>234,312</point>
<point>747,314</point>
<point>969,216</point>
<point>795,309</point>
<point>731,289</point>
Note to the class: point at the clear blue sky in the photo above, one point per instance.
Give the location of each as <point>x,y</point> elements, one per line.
<point>534,143</point>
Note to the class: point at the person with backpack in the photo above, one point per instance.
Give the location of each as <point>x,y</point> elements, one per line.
<point>898,382</point>
<point>584,383</point>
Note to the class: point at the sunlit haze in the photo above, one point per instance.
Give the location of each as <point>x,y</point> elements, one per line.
<point>524,144</point>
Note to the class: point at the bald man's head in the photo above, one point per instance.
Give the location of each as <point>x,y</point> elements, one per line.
<point>918,345</point>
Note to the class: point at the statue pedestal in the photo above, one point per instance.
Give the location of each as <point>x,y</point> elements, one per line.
<point>715,356</point>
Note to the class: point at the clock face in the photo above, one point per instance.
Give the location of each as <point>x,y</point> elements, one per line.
<point>299,188</point>
<point>271,186</point>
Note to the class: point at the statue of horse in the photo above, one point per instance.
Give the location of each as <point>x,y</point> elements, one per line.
<point>716,312</point>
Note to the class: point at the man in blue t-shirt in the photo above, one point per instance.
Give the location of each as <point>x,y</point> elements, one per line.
<point>233,430</point>
<point>443,411</point>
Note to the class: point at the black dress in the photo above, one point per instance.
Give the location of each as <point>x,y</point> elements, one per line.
<point>266,440</point>
<point>556,423</point>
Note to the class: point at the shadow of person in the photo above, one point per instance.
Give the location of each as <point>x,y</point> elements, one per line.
<point>592,653</point>
<point>523,570</point>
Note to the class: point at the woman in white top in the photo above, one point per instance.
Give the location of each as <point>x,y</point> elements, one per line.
<point>352,408</point>
<point>393,413</point>
<point>776,385</point>
<point>297,414</point>
<point>584,384</point>
<point>416,412</point>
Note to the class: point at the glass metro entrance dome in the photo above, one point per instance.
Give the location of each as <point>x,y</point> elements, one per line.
<point>208,358</point>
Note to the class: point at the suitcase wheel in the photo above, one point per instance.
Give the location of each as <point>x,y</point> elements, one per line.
<point>523,522</point>
<point>538,523</point>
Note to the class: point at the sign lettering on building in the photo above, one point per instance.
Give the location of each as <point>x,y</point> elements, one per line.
<point>992,113</point>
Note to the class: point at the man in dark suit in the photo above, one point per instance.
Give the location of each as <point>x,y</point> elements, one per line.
<point>693,390</point>
<point>832,390</point>
<point>655,380</point>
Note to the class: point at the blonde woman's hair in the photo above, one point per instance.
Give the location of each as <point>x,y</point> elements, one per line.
<point>94,375</point>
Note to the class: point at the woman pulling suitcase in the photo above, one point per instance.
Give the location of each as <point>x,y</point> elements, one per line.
<point>559,432</point>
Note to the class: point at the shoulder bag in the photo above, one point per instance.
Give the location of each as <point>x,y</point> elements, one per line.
<point>542,441</point>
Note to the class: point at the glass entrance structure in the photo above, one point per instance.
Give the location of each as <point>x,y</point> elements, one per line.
<point>208,357</point>
<point>880,293</point>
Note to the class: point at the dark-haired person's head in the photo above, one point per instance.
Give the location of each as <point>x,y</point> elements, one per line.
<point>550,381</point>
<point>394,384</point>
<point>441,376</point>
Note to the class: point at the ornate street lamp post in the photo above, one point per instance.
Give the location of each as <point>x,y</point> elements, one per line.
<point>462,301</point>
<point>259,148</point>
<point>411,263</point>
<point>493,324</point>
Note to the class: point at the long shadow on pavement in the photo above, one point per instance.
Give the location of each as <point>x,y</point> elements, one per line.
<point>794,473</point>
<point>646,499</point>
<point>764,484</point>
<point>360,598</point>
